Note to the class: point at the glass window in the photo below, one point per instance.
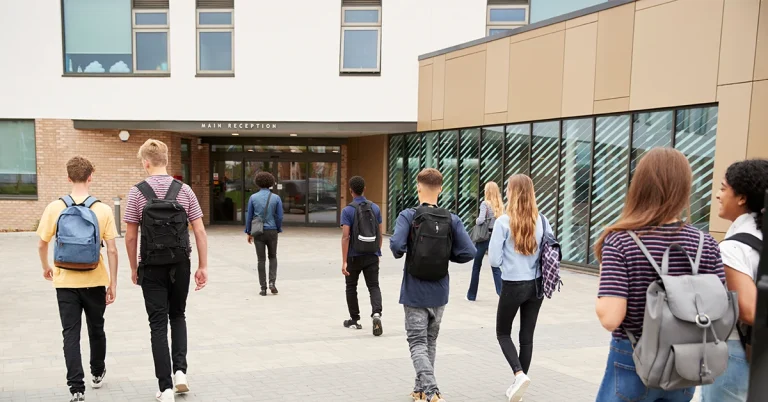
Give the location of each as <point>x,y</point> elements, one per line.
<point>18,163</point>
<point>97,36</point>
<point>295,149</point>
<point>215,18</point>
<point>449,168</point>
<point>150,18</point>
<point>431,150</point>
<point>395,190</point>
<point>498,31</point>
<point>322,149</point>
<point>215,38</point>
<point>226,148</point>
<point>186,158</point>
<point>545,9</point>
<point>503,18</point>
<point>469,175</point>
<point>609,177</point>
<point>575,164</point>
<point>695,137</point>
<point>361,39</point>
<point>413,166</point>
<point>650,130</point>
<point>491,162</point>
<point>150,42</point>
<point>323,192</point>
<point>545,148</point>
<point>507,14</point>
<point>516,153</point>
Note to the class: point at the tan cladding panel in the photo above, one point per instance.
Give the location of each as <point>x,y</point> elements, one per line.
<point>497,76</point>
<point>579,70</point>
<point>615,29</point>
<point>536,78</point>
<point>465,91</point>
<point>761,55</point>
<point>425,98</point>
<point>737,50</point>
<point>758,123</point>
<point>438,87</point>
<point>676,64</point>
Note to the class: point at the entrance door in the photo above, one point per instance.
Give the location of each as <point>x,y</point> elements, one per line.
<point>323,192</point>
<point>227,192</point>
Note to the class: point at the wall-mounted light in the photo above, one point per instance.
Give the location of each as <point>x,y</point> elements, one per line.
<point>124,135</point>
<point>235,133</point>
<point>294,135</point>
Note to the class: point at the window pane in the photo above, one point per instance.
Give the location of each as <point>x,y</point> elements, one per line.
<point>322,149</point>
<point>576,158</point>
<point>430,157</point>
<point>496,31</point>
<point>151,19</point>
<point>469,175</point>
<point>226,148</point>
<point>544,168</point>
<point>695,137</point>
<point>448,167</point>
<point>395,191</point>
<point>152,51</point>
<point>491,168</point>
<point>97,36</point>
<point>413,166</point>
<point>216,18</point>
<point>507,15</point>
<point>361,16</point>
<point>516,153</point>
<point>295,149</point>
<point>18,167</point>
<point>609,183</point>
<point>323,192</point>
<point>361,48</point>
<point>650,130</point>
<point>216,51</point>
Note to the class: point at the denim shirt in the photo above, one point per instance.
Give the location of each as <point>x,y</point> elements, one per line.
<point>274,219</point>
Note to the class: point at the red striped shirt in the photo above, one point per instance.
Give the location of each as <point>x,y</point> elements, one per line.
<point>160,184</point>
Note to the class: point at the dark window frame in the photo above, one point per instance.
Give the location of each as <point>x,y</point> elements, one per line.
<point>28,197</point>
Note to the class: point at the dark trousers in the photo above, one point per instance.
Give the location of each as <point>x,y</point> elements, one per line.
<point>266,246</point>
<point>474,282</point>
<point>369,266</point>
<point>72,304</point>
<point>517,296</point>
<point>165,289</point>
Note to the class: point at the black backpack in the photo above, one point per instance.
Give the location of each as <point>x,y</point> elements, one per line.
<point>430,243</point>
<point>366,236</point>
<point>744,330</point>
<point>164,233</point>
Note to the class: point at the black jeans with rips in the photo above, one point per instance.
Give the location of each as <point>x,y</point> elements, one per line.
<point>72,303</point>
<point>266,247</point>
<point>368,265</point>
<point>518,295</point>
<point>165,298</point>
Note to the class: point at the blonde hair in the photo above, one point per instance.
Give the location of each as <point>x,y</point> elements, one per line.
<point>493,198</point>
<point>154,151</point>
<point>523,213</point>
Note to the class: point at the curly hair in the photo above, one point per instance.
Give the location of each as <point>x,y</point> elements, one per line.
<point>264,180</point>
<point>357,185</point>
<point>749,178</point>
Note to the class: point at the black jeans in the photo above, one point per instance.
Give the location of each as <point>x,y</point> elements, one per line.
<point>166,299</point>
<point>268,241</point>
<point>72,303</point>
<point>517,296</point>
<point>369,266</point>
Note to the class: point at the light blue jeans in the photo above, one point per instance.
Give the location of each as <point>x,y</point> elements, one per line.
<point>733,385</point>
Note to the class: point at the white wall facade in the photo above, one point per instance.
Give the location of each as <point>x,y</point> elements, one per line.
<point>286,65</point>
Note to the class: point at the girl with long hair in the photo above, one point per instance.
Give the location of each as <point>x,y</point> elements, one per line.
<point>656,208</point>
<point>514,247</point>
<point>490,209</point>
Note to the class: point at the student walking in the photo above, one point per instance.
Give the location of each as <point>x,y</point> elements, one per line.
<point>653,212</point>
<point>164,207</point>
<point>742,199</point>
<point>81,225</point>
<point>490,209</point>
<point>263,222</point>
<point>360,253</point>
<point>430,237</point>
<point>514,247</point>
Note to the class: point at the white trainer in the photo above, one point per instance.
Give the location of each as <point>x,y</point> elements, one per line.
<point>180,382</point>
<point>516,391</point>
<point>165,396</point>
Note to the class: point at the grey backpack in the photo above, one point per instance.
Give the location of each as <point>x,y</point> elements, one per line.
<point>687,320</point>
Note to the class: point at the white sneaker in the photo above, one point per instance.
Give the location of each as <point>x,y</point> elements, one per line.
<point>517,389</point>
<point>180,382</point>
<point>165,396</point>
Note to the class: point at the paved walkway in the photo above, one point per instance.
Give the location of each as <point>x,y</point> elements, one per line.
<point>292,347</point>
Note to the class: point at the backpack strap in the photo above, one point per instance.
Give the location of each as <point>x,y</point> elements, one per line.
<point>146,190</point>
<point>88,203</point>
<point>748,239</point>
<point>68,200</point>
<point>645,251</point>
<point>173,190</point>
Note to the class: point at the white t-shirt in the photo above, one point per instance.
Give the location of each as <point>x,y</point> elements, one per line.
<point>740,256</point>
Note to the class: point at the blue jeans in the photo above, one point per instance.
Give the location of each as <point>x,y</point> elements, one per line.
<point>622,384</point>
<point>482,247</point>
<point>733,385</point>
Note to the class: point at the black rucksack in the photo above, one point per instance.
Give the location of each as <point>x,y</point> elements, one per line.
<point>430,243</point>
<point>164,233</point>
<point>366,236</point>
<point>744,330</point>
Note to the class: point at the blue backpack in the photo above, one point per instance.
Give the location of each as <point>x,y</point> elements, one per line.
<point>78,241</point>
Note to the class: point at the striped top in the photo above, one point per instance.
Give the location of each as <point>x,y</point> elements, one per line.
<point>626,273</point>
<point>135,205</point>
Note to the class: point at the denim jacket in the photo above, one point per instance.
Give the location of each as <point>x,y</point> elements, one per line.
<point>274,219</point>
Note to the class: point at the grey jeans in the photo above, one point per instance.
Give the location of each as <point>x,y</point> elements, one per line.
<point>266,246</point>
<point>422,325</point>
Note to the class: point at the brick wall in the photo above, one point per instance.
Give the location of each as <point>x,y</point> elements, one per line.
<point>117,167</point>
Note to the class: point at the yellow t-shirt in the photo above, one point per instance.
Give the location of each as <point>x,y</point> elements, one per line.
<point>67,278</point>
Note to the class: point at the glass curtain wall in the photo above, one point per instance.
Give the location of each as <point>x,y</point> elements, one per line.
<point>581,168</point>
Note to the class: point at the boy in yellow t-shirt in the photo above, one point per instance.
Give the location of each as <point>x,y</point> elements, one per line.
<point>81,290</point>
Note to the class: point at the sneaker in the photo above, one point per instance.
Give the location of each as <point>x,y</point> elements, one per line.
<point>352,324</point>
<point>165,396</point>
<point>180,382</point>
<point>377,329</point>
<point>263,292</point>
<point>98,380</point>
<point>273,289</point>
<point>437,398</point>
<point>418,396</point>
<point>468,299</point>
<point>517,389</point>
<point>77,397</point>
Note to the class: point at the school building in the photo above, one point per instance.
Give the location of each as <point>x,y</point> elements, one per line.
<point>571,93</point>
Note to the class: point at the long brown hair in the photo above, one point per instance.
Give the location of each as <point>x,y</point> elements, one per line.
<point>523,213</point>
<point>493,198</point>
<point>660,191</point>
